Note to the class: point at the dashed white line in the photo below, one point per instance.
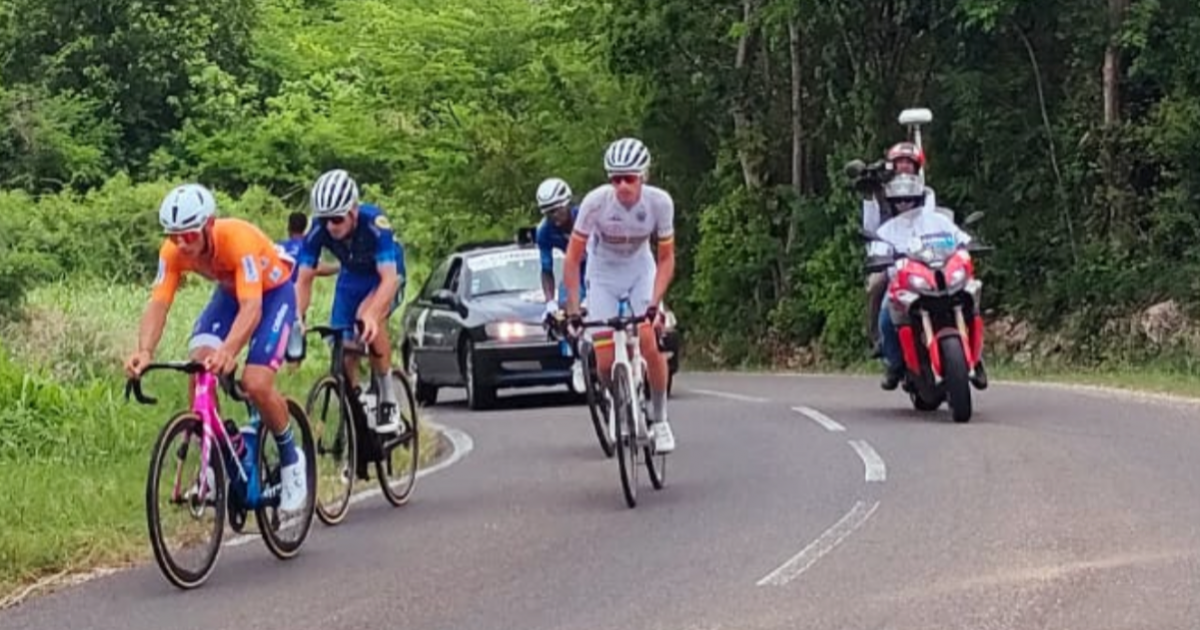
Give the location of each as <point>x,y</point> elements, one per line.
<point>730,395</point>
<point>876,470</point>
<point>827,541</point>
<point>816,416</point>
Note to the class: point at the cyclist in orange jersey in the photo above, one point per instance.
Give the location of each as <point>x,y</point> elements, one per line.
<point>253,305</point>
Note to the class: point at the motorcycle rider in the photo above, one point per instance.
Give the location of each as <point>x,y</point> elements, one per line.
<point>903,158</point>
<point>917,221</point>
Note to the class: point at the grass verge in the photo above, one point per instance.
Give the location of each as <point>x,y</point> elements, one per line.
<point>73,453</point>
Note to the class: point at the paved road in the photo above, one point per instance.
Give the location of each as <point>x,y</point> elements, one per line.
<point>1051,509</point>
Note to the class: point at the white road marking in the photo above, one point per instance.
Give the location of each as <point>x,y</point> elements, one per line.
<point>876,470</point>
<point>816,416</point>
<point>825,543</point>
<point>730,395</point>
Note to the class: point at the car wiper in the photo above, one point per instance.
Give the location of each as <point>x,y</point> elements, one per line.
<point>498,292</point>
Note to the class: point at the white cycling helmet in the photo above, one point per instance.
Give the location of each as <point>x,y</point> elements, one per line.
<point>186,208</point>
<point>334,194</point>
<point>552,193</point>
<point>627,156</point>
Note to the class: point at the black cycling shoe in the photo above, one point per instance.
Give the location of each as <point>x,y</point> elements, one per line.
<point>980,380</point>
<point>891,378</point>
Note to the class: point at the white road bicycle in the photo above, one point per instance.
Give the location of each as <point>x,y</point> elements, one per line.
<point>628,398</point>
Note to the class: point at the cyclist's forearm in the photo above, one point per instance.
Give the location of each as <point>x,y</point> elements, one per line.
<point>154,320</point>
<point>571,279</point>
<point>328,269</point>
<point>548,285</point>
<point>304,283</point>
<point>664,275</point>
<point>249,313</point>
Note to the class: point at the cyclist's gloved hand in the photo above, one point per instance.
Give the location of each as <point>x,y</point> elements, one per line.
<point>575,325</point>
<point>652,314</point>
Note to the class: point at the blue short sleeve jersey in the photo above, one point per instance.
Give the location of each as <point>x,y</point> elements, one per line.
<point>372,243</point>
<point>550,237</point>
<point>291,247</point>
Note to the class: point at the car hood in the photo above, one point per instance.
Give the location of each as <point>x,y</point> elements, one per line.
<point>527,307</point>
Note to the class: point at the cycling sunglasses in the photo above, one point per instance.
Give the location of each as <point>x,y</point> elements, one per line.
<point>185,238</point>
<point>624,179</point>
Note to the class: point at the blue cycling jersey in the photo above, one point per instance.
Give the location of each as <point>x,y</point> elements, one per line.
<point>372,243</point>
<point>291,246</point>
<point>550,237</point>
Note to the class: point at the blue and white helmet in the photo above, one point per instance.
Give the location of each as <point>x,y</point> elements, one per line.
<point>186,208</point>
<point>552,193</point>
<point>334,194</point>
<point>627,156</point>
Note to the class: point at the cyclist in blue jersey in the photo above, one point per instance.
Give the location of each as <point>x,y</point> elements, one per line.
<point>371,282</point>
<point>554,232</point>
<point>297,225</point>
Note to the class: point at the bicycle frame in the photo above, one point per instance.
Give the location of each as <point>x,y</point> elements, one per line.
<point>635,366</point>
<point>212,432</point>
<point>204,406</point>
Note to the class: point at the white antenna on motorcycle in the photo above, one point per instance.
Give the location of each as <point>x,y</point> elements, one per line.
<point>913,119</point>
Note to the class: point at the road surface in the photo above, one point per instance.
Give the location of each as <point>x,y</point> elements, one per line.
<point>792,502</point>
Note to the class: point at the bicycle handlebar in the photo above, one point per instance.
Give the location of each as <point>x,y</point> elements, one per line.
<point>228,383</point>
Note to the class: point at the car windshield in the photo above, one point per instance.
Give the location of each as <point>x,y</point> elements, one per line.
<point>509,272</point>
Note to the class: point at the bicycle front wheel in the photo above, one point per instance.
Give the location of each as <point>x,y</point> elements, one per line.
<point>178,507</point>
<point>597,405</point>
<point>333,426</point>
<point>401,451</point>
<point>626,434</point>
<point>284,533</point>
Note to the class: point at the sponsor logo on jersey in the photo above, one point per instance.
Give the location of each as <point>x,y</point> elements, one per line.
<point>250,268</point>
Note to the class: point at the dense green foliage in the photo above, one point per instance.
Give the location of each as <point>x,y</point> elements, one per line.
<point>451,112</point>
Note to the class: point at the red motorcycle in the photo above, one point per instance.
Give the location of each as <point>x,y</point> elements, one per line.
<point>936,294</point>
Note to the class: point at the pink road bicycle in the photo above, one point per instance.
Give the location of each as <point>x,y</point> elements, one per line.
<point>247,457</point>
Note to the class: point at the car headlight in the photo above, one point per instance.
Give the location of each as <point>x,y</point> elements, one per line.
<point>507,331</point>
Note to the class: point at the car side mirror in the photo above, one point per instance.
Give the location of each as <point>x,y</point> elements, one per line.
<point>448,298</point>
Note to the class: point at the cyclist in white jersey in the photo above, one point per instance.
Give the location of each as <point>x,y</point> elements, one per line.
<point>615,224</point>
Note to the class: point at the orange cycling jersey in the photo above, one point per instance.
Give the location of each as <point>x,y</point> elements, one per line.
<point>242,259</point>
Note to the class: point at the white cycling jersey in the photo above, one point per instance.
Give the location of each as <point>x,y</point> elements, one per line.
<point>624,233</point>
<point>620,263</point>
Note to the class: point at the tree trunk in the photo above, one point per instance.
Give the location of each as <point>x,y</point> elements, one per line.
<point>1112,63</point>
<point>743,67</point>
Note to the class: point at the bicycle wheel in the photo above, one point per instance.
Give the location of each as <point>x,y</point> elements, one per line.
<point>336,448</point>
<point>299,523</point>
<point>597,404</point>
<point>193,501</point>
<point>656,463</point>
<point>626,434</point>
<point>401,452</point>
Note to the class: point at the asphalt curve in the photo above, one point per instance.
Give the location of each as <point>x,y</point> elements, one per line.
<point>791,502</point>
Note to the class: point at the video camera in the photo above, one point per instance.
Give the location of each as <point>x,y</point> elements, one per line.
<point>868,177</point>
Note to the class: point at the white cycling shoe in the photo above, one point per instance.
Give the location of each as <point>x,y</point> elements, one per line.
<point>295,485</point>
<point>664,439</point>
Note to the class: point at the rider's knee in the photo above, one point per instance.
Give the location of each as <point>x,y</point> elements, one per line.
<point>259,385</point>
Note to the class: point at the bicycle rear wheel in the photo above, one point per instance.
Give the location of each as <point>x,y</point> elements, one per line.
<point>401,452</point>
<point>333,426</point>
<point>626,434</point>
<point>187,502</point>
<point>270,522</point>
<point>656,463</point>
